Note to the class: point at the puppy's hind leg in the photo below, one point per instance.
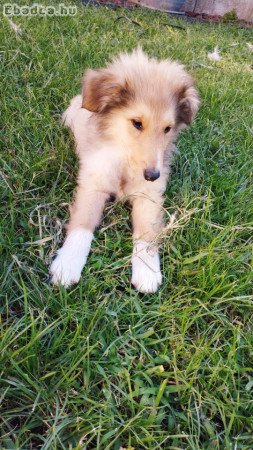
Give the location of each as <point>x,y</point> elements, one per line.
<point>147,217</point>
<point>85,217</point>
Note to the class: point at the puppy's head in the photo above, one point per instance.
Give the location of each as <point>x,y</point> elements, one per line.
<point>141,104</point>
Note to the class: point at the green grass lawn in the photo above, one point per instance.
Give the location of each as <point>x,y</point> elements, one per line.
<point>100,366</point>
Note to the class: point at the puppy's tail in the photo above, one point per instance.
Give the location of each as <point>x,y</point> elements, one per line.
<point>75,117</point>
<point>70,115</point>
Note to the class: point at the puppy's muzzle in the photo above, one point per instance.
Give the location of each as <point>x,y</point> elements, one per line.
<point>151,174</point>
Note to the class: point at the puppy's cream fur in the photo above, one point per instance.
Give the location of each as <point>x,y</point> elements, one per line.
<point>114,154</point>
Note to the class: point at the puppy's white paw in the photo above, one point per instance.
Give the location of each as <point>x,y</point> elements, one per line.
<point>66,269</point>
<point>146,275</point>
<point>67,266</point>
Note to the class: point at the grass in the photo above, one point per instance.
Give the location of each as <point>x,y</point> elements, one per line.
<point>99,366</point>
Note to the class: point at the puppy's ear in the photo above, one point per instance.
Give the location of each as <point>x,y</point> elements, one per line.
<point>188,104</point>
<point>102,90</point>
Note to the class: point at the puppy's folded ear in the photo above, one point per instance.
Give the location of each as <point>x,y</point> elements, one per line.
<point>102,90</point>
<point>188,104</point>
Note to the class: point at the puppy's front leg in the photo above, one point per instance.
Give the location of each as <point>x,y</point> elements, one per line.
<point>84,218</point>
<point>147,220</point>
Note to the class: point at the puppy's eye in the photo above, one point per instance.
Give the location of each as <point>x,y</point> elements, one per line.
<point>167,129</point>
<point>137,124</point>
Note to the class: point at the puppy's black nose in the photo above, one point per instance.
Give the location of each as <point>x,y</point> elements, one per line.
<point>151,174</point>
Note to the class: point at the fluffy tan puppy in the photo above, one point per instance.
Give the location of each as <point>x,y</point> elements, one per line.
<point>124,124</point>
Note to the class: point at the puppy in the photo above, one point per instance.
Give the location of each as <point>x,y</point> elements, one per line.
<point>124,124</point>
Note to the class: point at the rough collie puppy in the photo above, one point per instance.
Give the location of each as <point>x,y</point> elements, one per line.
<point>124,124</point>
